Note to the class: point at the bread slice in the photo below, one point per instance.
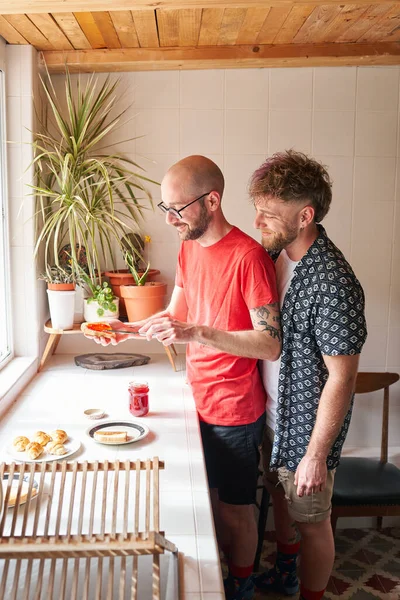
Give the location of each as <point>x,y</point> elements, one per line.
<point>14,491</point>
<point>98,330</point>
<point>110,437</point>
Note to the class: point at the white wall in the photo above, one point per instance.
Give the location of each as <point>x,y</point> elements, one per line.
<point>346,117</point>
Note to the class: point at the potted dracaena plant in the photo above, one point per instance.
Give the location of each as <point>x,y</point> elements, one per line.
<point>86,197</point>
<point>144,298</point>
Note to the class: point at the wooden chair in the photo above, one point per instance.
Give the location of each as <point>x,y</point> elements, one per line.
<point>366,487</point>
<point>363,486</point>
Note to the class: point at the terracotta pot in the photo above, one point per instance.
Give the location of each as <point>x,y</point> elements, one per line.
<point>124,277</point>
<point>142,301</point>
<point>61,287</point>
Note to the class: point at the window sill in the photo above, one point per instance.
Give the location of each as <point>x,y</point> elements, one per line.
<point>14,377</point>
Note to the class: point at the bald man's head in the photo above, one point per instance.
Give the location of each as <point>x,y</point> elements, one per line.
<point>193,175</point>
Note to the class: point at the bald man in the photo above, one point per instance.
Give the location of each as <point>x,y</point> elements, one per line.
<point>225,307</point>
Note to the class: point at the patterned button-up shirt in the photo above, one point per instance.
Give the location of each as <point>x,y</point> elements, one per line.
<point>322,314</point>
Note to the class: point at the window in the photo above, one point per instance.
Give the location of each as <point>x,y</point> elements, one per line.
<point>5,290</point>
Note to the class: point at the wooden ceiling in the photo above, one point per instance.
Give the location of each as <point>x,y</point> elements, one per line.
<point>171,34</point>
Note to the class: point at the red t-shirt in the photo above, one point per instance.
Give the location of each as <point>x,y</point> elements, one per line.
<point>222,283</point>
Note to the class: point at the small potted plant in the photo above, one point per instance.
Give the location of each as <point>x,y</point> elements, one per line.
<point>61,295</point>
<point>101,303</point>
<point>144,298</point>
<point>58,278</point>
<point>134,244</point>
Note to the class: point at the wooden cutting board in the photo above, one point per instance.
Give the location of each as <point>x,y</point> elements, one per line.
<point>117,360</point>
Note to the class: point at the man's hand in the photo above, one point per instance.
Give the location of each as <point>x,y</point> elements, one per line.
<point>168,330</point>
<point>334,403</point>
<point>310,476</point>
<point>119,337</point>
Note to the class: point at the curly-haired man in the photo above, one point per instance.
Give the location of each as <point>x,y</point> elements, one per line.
<point>310,388</point>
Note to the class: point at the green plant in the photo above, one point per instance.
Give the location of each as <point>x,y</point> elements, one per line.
<point>104,296</point>
<point>131,262</point>
<point>100,292</point>
<point>133,244</point>
<point>85,196</point>
<point>56,274</point>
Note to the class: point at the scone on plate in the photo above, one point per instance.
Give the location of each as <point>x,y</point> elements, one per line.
<point>41,438</point>
<point>59,435</point>
<point>20,443</point>
<point>34,450</point>
<point>56,448</point>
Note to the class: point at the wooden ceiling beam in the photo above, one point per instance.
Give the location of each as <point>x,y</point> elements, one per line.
<point>287,55</point>
<point>54,6</point>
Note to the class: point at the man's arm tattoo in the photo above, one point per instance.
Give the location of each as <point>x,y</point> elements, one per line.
<point>266,318</point>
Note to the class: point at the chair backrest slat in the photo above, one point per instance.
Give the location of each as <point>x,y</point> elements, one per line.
<point>372,382</point>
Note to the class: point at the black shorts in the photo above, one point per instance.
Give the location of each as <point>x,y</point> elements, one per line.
<point>232,456</point>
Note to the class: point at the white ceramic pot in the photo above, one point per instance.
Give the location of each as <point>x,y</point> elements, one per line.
<point>62,308</point>
<point>90,311</point>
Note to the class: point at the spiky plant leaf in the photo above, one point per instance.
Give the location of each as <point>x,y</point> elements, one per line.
<point>85,196</point>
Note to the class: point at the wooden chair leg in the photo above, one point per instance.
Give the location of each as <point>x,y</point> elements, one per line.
<point>51,345</point>
<point>334,519</point>
<point>174,349</point>
<point>170,357</point>
<point>262,522</point>
<point>379,523</point>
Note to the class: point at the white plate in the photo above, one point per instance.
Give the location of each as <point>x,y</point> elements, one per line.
<point>14,485</point>
<point>71,447</point>
<point>135,431</point>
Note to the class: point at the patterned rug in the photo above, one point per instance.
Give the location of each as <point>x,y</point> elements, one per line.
<point>367,565</point>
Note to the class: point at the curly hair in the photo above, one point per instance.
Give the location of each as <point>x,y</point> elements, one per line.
<point>293,176</point>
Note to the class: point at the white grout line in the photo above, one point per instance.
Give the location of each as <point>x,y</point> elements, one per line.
<point>354,172</point>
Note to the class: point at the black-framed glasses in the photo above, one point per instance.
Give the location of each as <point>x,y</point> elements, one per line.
<point>175,212</point>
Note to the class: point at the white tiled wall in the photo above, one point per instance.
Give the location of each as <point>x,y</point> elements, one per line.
<point>345,117</point>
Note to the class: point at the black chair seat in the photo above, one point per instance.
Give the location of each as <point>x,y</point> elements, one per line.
<point>364,481</point>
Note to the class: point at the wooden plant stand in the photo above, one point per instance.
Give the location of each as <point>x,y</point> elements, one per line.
<point>55,336</point>
<point>83,536</point>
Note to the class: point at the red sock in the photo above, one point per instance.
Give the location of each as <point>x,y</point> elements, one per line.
<point>240,572</point>
<point>306,594</point>
<point>288,548</point>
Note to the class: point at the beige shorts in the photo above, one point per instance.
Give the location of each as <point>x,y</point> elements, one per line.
<point>304,509</point>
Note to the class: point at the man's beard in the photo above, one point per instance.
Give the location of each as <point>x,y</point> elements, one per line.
<point>278,241</point>
<point>198,229</point>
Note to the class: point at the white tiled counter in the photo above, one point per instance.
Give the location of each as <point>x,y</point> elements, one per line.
<point>57,398</point>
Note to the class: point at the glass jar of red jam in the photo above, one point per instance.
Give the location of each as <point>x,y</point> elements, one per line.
<point>138,398</point>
